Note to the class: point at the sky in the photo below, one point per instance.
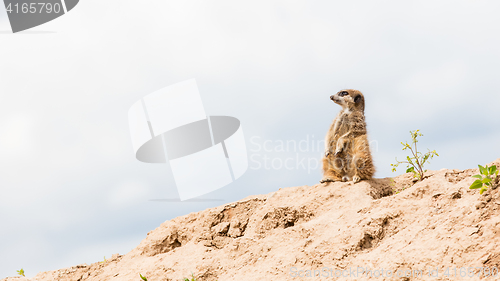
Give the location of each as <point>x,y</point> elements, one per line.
<point>71,190</point>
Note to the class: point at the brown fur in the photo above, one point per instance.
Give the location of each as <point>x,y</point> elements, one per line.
<point>347,153</point>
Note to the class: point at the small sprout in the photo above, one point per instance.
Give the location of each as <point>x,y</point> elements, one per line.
<point>143,278</point>
<point>192,278</point>
<point>395,189</point>
<point>416,163</point>
<point>393,183</point>
<point>485,177</point>
<point>104,261</point>
<point>21,272</point>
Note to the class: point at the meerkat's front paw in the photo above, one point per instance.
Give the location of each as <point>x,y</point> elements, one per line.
<point>356,179</point>
<point>326,179</point>
<point>338,150</point>
<point>340,146</point>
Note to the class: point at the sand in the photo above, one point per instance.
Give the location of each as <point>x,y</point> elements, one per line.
<point>389,229</point>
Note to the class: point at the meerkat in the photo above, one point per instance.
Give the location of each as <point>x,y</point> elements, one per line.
<point>347,151</point>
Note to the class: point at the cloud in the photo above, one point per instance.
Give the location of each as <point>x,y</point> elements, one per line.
<point>127,194</point>
<point>3,13</point>
<point>17,135</point>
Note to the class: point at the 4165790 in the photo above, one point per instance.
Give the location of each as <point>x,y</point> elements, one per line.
<point>34,8</point>
<point>471,272</point>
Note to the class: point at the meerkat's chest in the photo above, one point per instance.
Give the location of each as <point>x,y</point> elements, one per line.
<point>343,123</point>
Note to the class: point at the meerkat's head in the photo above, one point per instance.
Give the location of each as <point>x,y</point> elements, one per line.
<point>349,99</point>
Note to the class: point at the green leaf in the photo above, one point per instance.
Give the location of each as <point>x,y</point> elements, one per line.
<point>478,177</point>
<point>486,180</point>
<point>493,169</point>
<point>482,190</point>
<point>410,170</point>
<point>482,170</point>
<point>425,158</point>
<point>143,278</point>
<point>477,184</point>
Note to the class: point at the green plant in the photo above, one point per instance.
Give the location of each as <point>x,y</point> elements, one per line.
<point>192,278</point>
<point>393,185</point>
<point>416,163</point>
<point>143,278</point>
<point>485,177</point>
<point>104,261</point>
<point>21,272</point>
<point>395,188</point>
<point>393,182</point>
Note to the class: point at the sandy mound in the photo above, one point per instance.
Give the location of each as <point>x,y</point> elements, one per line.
<point>374,227</point>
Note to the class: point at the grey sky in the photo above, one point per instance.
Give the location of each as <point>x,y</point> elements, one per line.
<point>71,189</point>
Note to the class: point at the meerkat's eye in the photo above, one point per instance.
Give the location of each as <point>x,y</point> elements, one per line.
<point>343,93</point>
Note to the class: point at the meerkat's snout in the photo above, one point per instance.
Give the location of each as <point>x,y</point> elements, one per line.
<point>337,98</point>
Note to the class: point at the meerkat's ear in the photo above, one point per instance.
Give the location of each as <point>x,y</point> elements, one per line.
<point>357,99</point>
